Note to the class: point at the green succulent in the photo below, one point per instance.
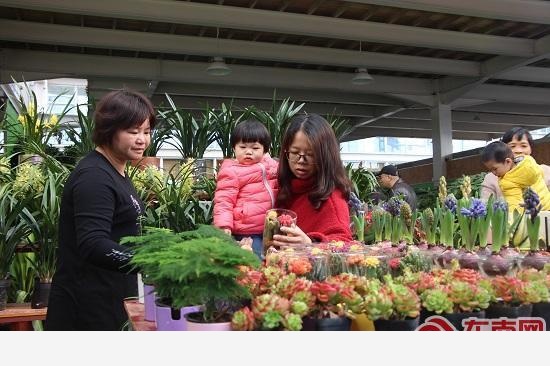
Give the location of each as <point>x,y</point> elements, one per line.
<point>437,301</point>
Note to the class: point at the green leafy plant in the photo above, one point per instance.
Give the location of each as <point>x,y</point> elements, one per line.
<point>80,133</point>
<point>277,120</point>
<point>33,128</point>
<point>198,267</point>
<point>192,135</point>
<point>14,227</point>
<point>364,182</point>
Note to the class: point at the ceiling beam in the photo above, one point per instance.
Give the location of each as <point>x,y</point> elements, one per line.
<point>478,117</point>
<point>44,33</point>
<point>234,17</point>
<point>427,134</point>
<point>494,68</point>
<point>511,94</point>
<point>518,11</point>
<point>80,65</point>
<point>511,108</point>
<point>411,124</point>
<point>265,93</point>
<point>199,103</point>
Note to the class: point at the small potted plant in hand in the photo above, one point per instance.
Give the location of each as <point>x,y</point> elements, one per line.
<point>274,220</point>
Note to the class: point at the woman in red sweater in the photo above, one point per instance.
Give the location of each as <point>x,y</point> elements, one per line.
<point>313,183</point>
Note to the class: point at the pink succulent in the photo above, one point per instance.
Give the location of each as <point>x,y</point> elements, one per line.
<point>285,220</point>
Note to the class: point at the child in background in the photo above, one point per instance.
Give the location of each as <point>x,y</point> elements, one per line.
<point>247,185</point>
<point>515,174</point>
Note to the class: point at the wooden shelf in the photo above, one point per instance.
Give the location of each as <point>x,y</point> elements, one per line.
<point>136,315</point>
<point>20,316</point>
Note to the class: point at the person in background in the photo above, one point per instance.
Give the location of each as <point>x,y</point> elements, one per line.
<point>99,206</point>
<point>388,178</point>
<point>313,183</point>
<point>247,185</point>
<point>515,173</point>
<point>521,142</point>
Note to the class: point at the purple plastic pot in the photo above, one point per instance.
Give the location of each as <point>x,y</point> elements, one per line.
<point>149,302</point>
<point>169,319</point>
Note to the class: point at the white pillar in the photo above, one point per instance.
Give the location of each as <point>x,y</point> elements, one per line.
<point>442,139</point>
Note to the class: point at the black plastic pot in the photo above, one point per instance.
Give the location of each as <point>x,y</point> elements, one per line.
<point>40,294</point>
<point>542,310</point>
<point>326,324</point>
<point>4,286</point>
<point>396,325</point>
<point>499,310</point>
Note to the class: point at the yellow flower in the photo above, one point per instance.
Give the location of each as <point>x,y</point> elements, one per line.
<point>52,122</point>
<point>316,251</point>
<point>22,119</point>
<point>29,180</point>
<point>338,244</point>
<point>355,248</point>
<point>30,109</point>
<point>371,262</point>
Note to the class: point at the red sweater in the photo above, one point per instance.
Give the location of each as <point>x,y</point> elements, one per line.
<point>330,222</point>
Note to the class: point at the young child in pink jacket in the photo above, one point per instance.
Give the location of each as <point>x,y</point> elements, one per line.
<point>247,185</point>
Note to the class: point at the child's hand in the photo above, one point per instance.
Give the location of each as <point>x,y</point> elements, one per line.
<point>294,235</point>
<point>227,231</point>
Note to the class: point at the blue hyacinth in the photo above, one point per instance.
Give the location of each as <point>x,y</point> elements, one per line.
<point>476,210</point>
<point>531,202</point>
<point>450,203</point>
<point>500,205</point>
<point>355,203</point>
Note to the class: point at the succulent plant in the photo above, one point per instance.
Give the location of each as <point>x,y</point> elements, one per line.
<point>406,303</point>
<point>468,297</point>
<point>437,301</point>
<point>243,320</point>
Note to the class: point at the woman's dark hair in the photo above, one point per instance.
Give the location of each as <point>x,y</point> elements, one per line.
<point>518,133</point>
<point>251,130</point>
<point>120,110</point>
<point>330,172</point>
<point>496,151</point>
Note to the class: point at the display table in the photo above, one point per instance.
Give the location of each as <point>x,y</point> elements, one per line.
<point>136,316</point>
<point>20,316</point>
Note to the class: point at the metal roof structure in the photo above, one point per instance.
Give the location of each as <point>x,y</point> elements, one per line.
<point>485,61</point>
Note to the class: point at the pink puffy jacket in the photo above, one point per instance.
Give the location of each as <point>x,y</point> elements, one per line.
<point>243,194</point>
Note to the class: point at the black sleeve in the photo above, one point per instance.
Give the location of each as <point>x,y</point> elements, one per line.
<point>94,198</point>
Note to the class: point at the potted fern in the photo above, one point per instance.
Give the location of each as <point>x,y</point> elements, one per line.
<point>194,268</point>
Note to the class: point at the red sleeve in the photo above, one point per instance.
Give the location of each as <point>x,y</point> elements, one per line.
<point>334,219</point>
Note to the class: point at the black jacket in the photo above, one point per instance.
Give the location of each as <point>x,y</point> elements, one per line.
<point>406,191</point>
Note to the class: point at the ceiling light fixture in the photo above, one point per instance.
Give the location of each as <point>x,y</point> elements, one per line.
<point>217,66</point>
<point>362,76</point>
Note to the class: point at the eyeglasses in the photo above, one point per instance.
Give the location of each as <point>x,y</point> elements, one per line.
<point>295,157</point>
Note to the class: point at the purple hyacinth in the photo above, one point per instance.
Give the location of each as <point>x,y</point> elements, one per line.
<point>393,206</point>
<point>476,210</point>
<point>531,202</point>
<point>354,203</point>
<point>450,203</point>
<point>500,205</point>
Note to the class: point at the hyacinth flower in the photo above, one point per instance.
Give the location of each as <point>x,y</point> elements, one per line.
<point>446,219</point>
<point>531,203</point>
<point>499,223</point>
<point>378,218</point>
<point>471,216</point>
<point>429,224</point>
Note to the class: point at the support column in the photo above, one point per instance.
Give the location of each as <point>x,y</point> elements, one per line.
<point>442,139</point>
